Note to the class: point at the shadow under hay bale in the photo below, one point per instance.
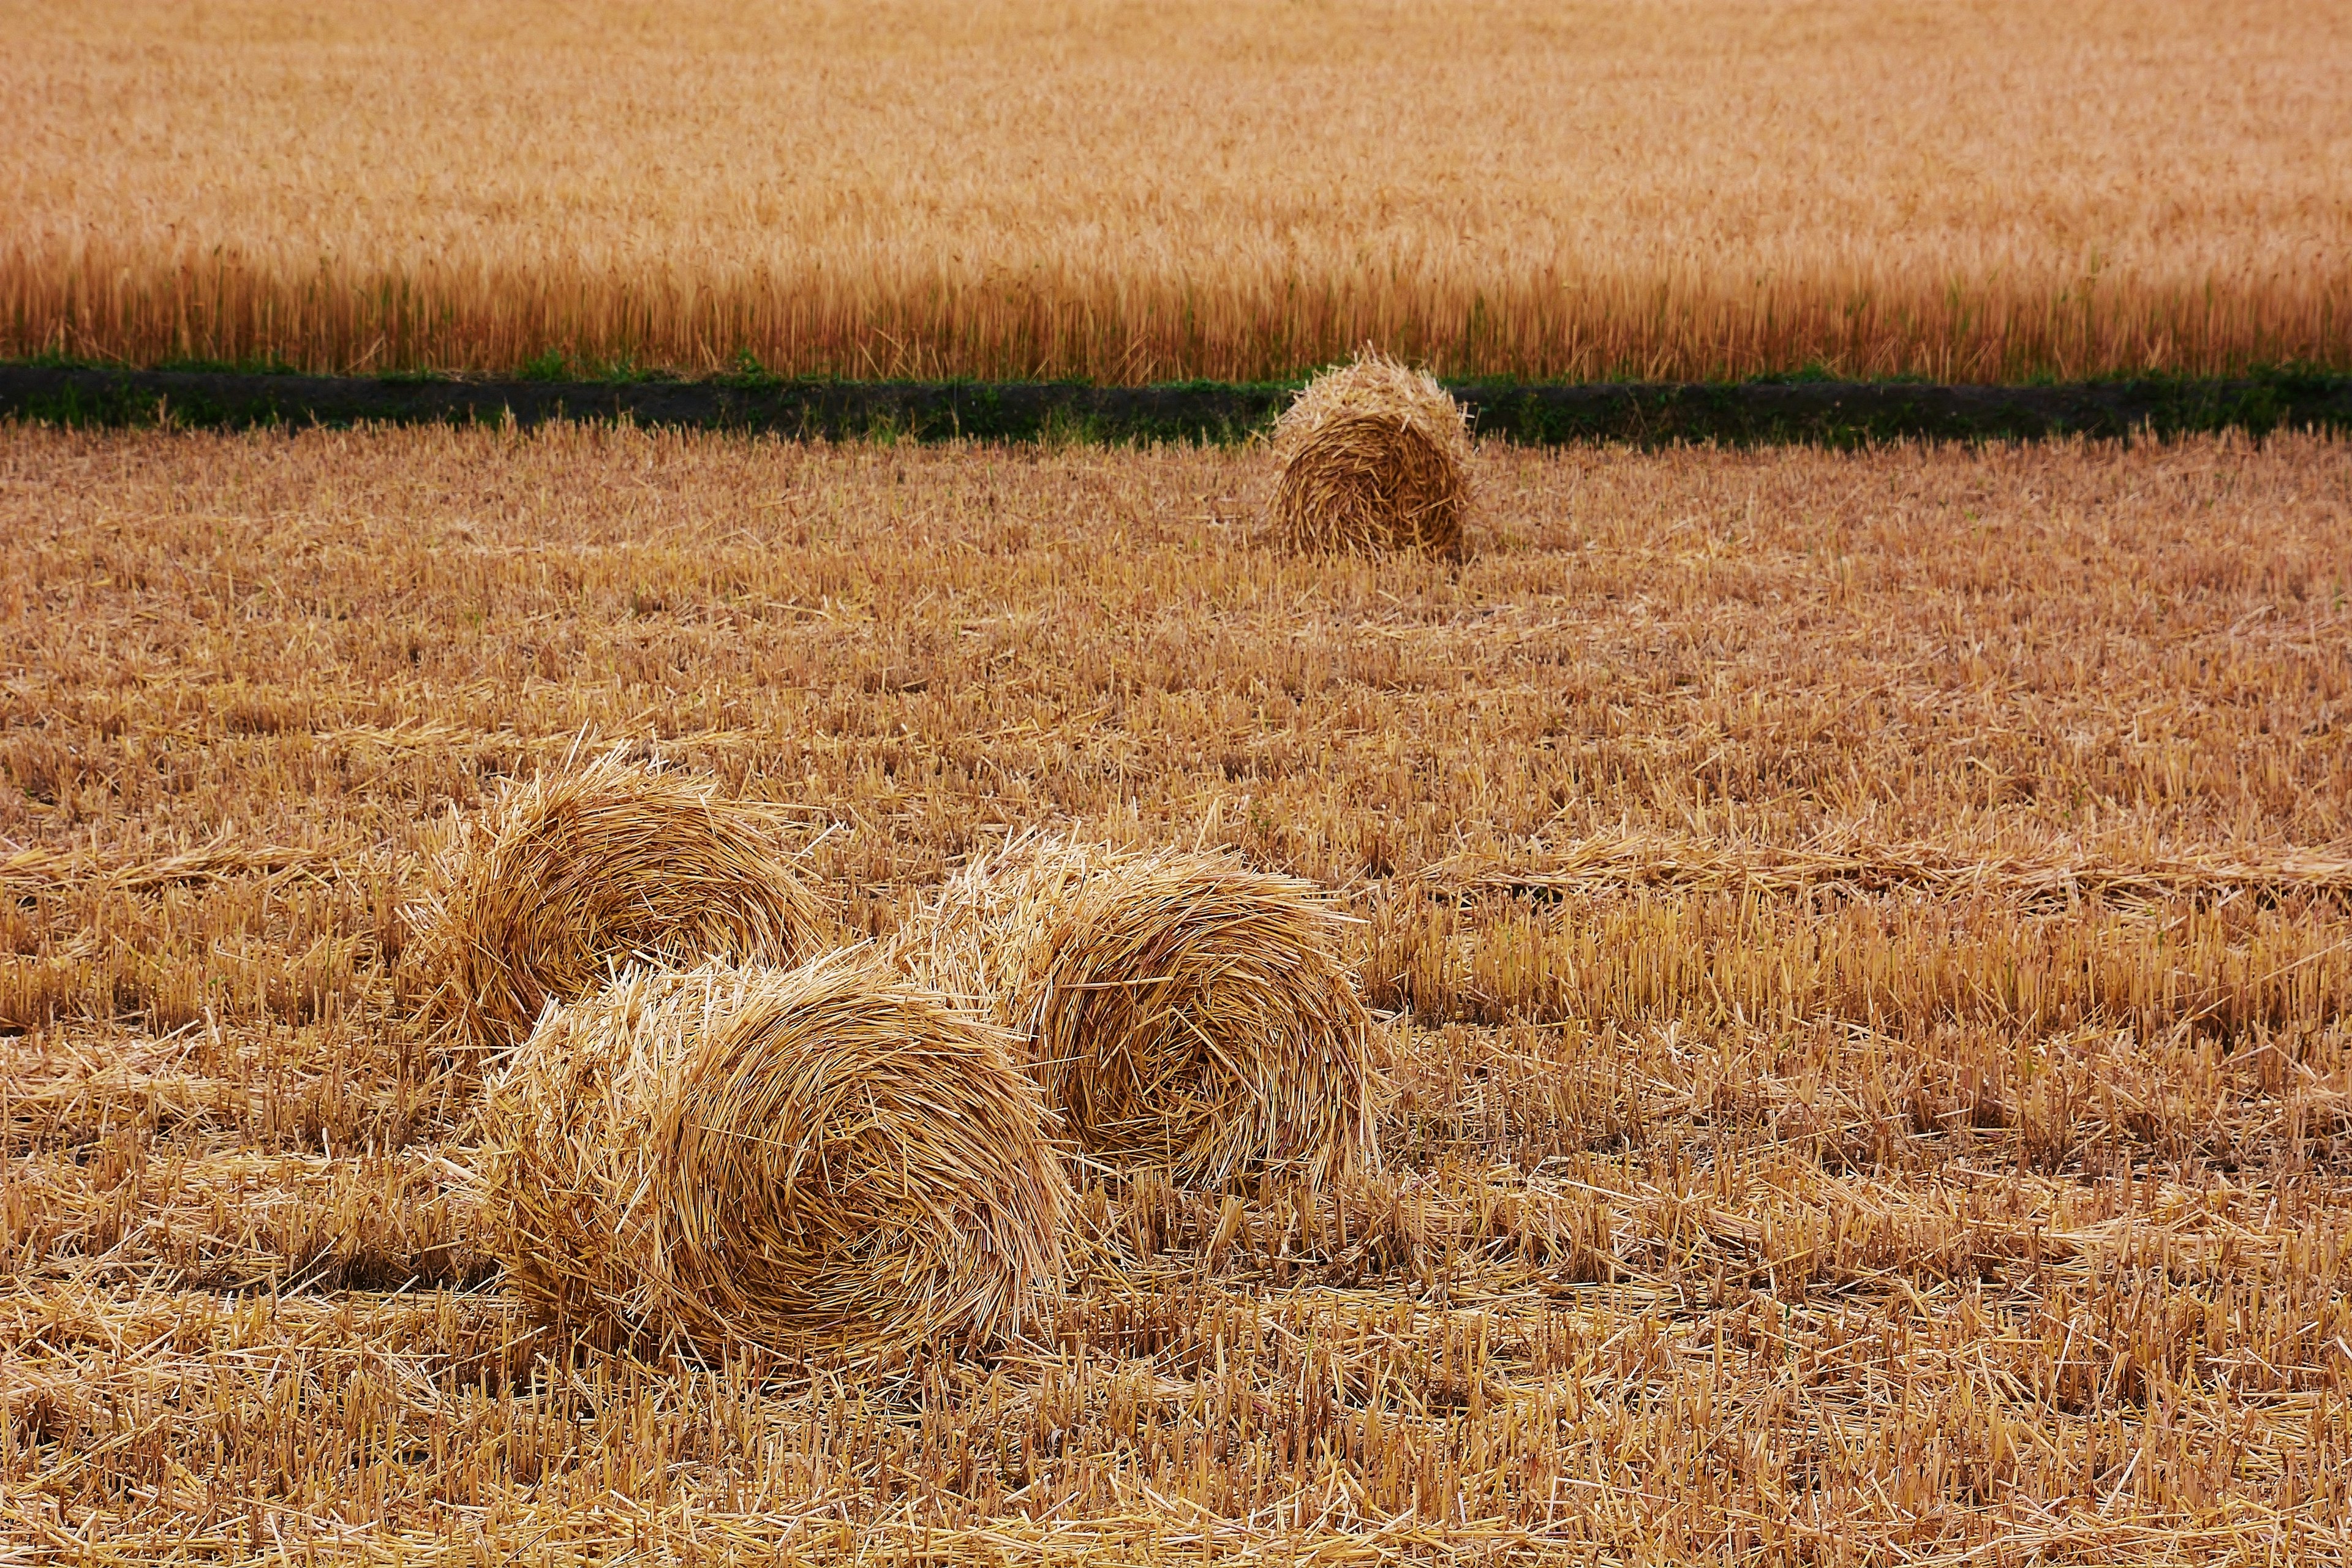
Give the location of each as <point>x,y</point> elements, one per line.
<point>1183,1011</point>
<point>1371,456</point>
<point>565,880</point>
<point>827,1158</point>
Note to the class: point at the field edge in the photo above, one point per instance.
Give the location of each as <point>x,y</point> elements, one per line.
<point>1764,412</point>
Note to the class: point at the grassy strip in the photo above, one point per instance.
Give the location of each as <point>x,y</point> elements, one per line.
<point>1773,412</point>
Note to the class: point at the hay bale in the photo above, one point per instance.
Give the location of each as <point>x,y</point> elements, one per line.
<point>566,879</point>
<point>1374,456</point>
<point>1181,1011</point>
<point>823,1158</point>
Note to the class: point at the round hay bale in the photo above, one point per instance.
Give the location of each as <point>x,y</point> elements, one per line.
<point>1372,457</point>
<point>563,881</point>
<point>822,1158</point>
<point>1181,1011</point>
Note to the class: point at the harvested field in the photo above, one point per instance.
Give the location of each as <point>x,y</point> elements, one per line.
<point>1669,189</point>
<point>1865,944</point>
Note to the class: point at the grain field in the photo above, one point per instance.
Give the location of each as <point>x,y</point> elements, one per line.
<point>1866,943</point>
<point>1128,192</point>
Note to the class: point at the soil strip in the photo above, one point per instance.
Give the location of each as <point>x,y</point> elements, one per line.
<point>1830,413</point>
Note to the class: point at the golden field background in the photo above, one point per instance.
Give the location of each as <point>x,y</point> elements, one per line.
<point>1867,940</point>
<point>1128,192</point>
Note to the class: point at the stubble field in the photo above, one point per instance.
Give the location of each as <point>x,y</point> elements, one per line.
<point>1020,188</point>
<point>1865,940</point>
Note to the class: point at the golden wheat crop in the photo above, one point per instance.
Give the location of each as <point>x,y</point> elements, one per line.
<point>1864,944</point>
<point>1016,188</point>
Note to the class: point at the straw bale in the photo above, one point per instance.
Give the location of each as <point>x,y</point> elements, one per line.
<point>827,1157</point>
<point>1372,457</point>
<point>1181,1010</point>
<point>566,879</point>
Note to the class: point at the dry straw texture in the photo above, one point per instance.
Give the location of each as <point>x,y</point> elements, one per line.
<point>786,1160</point>
<point>1181,1010</point>
<point>1373,456</point>
<point>569,878</point>
<point>1877,1085</point>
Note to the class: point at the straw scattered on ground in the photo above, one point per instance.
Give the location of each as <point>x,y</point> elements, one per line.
<point>1873,1072</point>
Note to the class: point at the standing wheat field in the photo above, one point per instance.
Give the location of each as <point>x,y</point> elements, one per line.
<point>1664,189</point>
<point>1861,946</point>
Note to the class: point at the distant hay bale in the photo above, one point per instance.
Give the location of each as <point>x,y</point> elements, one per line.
<point>566,879</point>
<point>1181,1010</point>
<point>823,1158</point>
<point>1372,457</point>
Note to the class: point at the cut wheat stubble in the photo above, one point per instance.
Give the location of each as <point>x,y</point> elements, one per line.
<point>822,1160</point>
<point>1181,1010</point>
<point>1753,1032</point>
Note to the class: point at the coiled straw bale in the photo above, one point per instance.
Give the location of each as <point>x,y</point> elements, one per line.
<point>1181,1010</point>
<point>567,879</point>
<point>827,1157</point>
<point>1372,457</point>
